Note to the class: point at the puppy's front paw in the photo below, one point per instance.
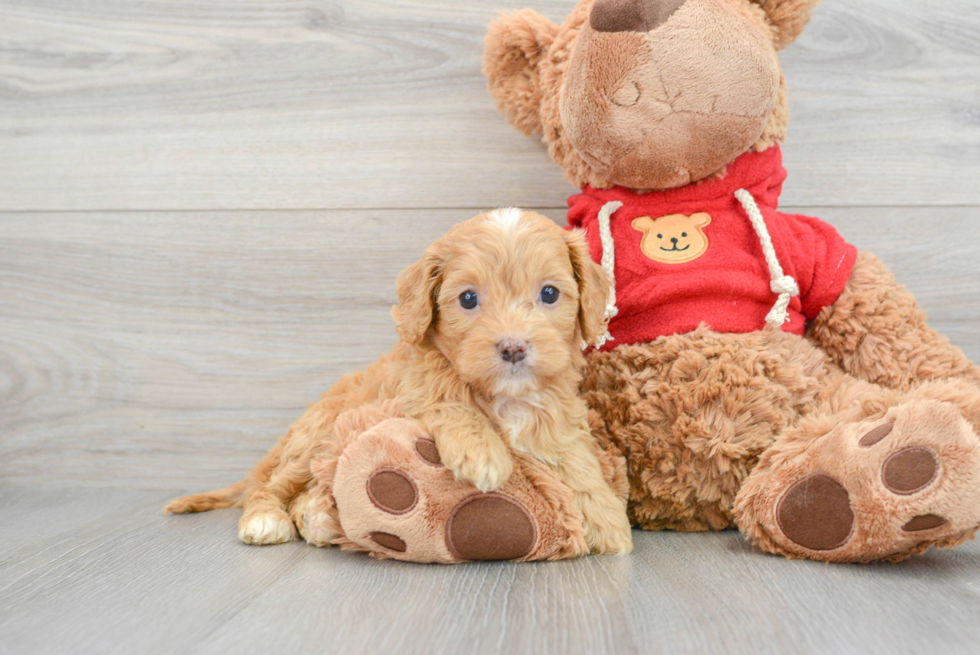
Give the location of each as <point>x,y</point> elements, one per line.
<point>485,463</point>
<point>607,528</point>
<point>315,526</point>
<point>317,531</point>
<point>266,527</point>
<point>610,539</point>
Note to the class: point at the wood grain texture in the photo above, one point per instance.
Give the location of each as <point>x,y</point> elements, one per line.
<point>250,104</point>
<point>130,580</point>
<point>171,350</point>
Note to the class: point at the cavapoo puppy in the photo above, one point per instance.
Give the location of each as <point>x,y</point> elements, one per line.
<point>492,321</point>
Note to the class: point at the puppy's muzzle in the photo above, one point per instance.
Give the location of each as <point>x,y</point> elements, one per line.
<point>512,350</point>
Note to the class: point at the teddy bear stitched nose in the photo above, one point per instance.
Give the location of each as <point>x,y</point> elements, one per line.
<point>631,15</point>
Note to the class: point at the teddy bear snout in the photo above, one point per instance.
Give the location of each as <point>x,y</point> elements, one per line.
<point>631,15</point>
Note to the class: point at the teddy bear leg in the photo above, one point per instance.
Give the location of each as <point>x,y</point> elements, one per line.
<point>877,332</point>
<point>387,493</point>
<point>883,480</point>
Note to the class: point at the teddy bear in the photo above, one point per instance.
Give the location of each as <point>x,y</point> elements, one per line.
<point>759,373</point>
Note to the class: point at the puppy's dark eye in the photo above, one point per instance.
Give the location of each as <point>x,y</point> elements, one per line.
<point>683,234</point>
<point>468,300</point>
<point>660,236</point>
<point>549,295</point>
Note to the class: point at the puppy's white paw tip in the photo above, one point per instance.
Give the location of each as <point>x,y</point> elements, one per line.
<point>267,529</point>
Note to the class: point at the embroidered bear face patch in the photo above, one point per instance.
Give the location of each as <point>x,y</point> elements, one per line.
<point>673,239</point>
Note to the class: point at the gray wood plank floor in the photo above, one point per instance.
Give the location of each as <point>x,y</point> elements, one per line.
<point>102,572</point>
<point>203,206</point>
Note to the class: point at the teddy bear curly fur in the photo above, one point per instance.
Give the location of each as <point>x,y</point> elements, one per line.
<point>853,441</point>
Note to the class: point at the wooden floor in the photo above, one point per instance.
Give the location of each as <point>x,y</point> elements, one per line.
<point>203,206</point>
<point>100,571</point>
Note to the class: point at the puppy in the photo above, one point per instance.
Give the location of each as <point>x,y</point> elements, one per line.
<point>492,320</point>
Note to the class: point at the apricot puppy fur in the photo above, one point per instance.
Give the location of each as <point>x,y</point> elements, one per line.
<point>492,320</point>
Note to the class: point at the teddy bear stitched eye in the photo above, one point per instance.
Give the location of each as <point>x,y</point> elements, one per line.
<point>549,295</point>
<point>468,300</point>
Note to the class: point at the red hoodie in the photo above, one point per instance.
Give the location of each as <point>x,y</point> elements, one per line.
<point>691,255</point>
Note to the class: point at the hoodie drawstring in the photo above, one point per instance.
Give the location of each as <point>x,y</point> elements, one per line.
<point>781,284</point>
<point>608,265</point>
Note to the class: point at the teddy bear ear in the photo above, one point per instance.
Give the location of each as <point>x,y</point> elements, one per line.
<point>788,18</point>
<point>512,50</point>
<point>701,219</point>
<point>642,223</point>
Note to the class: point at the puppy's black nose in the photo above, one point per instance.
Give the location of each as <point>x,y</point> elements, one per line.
<point>673,239</point>
<point>512,350</point>
<point>631,15</point>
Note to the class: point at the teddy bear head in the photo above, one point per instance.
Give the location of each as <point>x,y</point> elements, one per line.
<point>646,94</point>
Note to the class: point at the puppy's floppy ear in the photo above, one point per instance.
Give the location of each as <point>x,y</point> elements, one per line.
<point>787,18</point>
<point>512,50</point>
<point>418,287</point>
<point>593,287</point>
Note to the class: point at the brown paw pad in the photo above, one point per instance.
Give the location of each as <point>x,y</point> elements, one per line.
<point>389,541</point>
<point>490,527</point>
<point>392,491</point>
<point>426,449</point>
<point>876,435</point>
<point>909,470</point>
<point>924,522</point>
<point>815,513</point>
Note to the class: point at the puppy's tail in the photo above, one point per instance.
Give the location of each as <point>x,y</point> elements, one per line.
<point>218,499</point>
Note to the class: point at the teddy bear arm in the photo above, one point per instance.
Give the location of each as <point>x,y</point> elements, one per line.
<point>877,332</point>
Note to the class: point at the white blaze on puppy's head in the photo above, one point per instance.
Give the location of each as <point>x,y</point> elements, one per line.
<point>507,219</point>
<point>507,297</point>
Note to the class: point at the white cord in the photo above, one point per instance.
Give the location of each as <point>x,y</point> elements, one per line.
<point>784,285</point>
<point>608,264</point>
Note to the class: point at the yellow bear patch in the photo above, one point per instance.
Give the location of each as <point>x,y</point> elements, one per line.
<point>673,239</point>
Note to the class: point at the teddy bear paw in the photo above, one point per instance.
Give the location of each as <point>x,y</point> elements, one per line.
<point>396,499</point>
<point>884,489</point>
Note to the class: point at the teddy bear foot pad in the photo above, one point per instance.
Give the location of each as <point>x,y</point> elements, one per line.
<point>883,489</point>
